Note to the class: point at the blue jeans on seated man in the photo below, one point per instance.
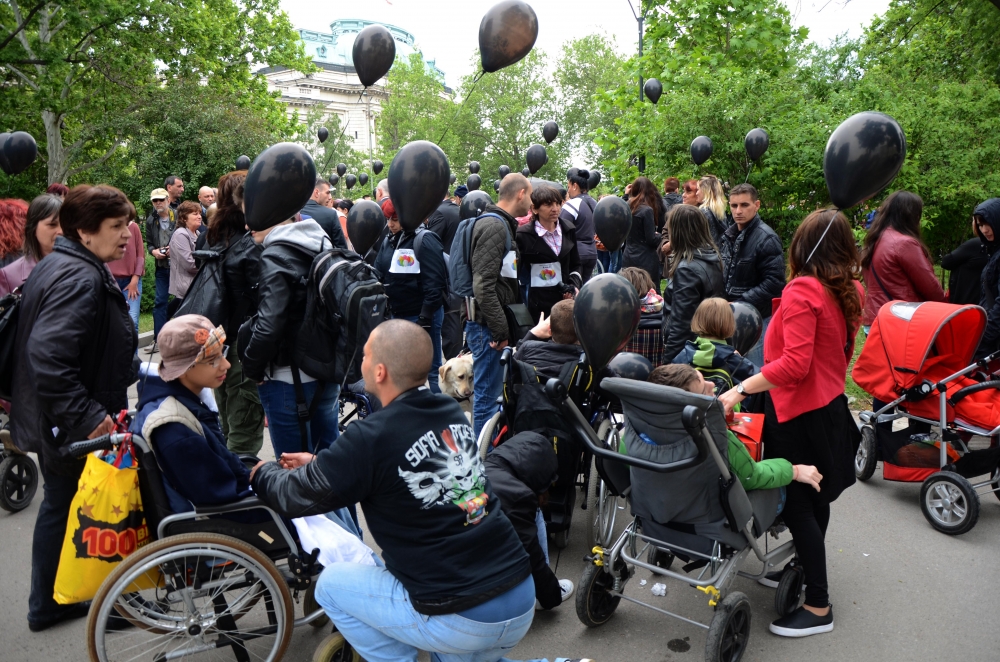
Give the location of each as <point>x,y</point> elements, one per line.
<point>487,377</point>
<point>133,304</point>
<point>372,610</point>
<point>436,322</point>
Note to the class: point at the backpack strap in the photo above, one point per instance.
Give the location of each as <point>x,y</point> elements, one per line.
<point>508,242</point>
<point>304,412</point>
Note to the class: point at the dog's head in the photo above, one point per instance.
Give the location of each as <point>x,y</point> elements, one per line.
<point>455,377</point>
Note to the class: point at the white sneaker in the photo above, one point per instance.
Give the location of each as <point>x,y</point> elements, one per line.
<point>567,588</point>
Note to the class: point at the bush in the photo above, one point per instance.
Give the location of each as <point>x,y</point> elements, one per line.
<point>148,285</point>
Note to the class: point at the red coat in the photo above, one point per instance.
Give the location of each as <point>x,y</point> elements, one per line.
<point>804,348</point>
<point>903,269</point>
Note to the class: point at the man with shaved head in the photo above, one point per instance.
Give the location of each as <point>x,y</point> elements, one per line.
<point>456,581</point>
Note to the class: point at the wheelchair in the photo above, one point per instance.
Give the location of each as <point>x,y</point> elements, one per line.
<point>204,586</point>
<point>575,461</point>
<point>18,472</point>
<point>705,518</point>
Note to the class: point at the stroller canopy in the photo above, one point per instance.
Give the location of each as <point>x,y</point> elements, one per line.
<point>905,336</point>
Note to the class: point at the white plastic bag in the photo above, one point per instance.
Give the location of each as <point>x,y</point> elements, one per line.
<point>335,544</point>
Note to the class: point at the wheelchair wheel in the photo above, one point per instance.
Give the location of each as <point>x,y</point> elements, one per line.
<point>18,482</point>
<point>335,649</point>
<point>309,606</point>
<point>867,455</point>
<point>183,595</point>
<point>594,604</point>
<point>949,503</point>
<point>788,595</point>
<point>487,434</point>
<point>729,633</point>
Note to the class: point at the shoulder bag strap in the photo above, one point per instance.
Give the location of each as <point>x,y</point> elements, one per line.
<point>877,279</point>
<point>304,412</point>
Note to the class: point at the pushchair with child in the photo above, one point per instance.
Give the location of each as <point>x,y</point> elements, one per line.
<point>918,361</point>
<point>205,585</point>
<point>686,504</point>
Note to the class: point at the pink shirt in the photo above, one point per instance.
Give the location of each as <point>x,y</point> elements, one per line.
<point>133,263</point>
<point>552,238</point>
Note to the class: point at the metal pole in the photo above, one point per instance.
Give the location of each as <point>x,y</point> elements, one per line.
<point>639,19</point>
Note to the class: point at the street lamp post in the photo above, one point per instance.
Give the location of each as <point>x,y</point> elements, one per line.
<point>640,17</point>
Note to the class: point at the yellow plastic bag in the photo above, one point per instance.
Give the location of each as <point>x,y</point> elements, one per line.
<point>106,524</point>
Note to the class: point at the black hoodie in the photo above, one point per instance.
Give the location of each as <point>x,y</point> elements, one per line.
<point>989,211</point>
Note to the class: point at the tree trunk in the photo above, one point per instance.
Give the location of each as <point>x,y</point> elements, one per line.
<point>56,153</point>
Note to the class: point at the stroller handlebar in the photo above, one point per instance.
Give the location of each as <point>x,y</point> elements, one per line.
<point>79,449</point>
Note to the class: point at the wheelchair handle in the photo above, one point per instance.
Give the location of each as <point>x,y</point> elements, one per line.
<point>556,391</point>
<point>80,449</point>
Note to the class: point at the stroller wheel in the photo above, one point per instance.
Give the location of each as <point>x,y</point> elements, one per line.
<point>949,503</point>
<point>729,633</point>
<point>867,455</point>
<point>560,539</point>
<point>602,507</point>
<point>660,558</point>
<point>594,604</point>
<point>335,649</point>
<point>18,482</point>
<point>996,482</point>
<point>789,591</point>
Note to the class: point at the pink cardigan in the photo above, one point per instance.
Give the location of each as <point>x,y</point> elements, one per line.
<point>14,274</point>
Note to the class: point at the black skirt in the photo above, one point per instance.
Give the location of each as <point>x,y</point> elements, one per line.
<point>827,438</point>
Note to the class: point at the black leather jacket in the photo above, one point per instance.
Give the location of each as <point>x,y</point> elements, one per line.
<point>754,265</point>
<point>693,282</point>
<point>74,352</point>
<point>240,272</point>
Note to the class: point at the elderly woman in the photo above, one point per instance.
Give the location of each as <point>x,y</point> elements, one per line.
<point>74,353</point>
<point>40,231</point>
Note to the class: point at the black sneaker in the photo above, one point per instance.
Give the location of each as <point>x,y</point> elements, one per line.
<point>70,613</point>
<point>803,623</point>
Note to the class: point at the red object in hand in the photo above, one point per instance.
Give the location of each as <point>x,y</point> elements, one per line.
<point>749,429</point>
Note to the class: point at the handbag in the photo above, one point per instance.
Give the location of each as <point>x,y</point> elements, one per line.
<point>9,309</point>
<point>519,322</point>
<point>207,295</point>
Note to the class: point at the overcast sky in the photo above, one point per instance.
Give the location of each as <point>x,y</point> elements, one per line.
<point>448,30</point>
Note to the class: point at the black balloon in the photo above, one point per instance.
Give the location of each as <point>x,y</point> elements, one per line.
<point>526,172</point>
<point>631,366</point>
<point>374,52</point>
<point>3,159</point>
<point>612,222</point>
<point>474,204</point>
<point>474,167</point>
<point>756,143</point>
<point>749,325</point>
<point>341,169</point>
<point>243,163</point>
<point>593,180</point>
<point>862,157</point>
<point>452,178</point>
<point>418,179</point>
<point>549,131</point>
<point>605,315</point>
<point>20,151</point>
<point>279,183</point>
<point>504,171</point>
<point>506,34</point>
<point>350,181</point>
<point>653,89</point>
<point>363,178</point>
<point>365,223</point>
<point>536,158</point>
<point>377,166</point>
<point>474,182</point>
<point>701,149</point>
<point>322,134</point>
<point>334,179</point>
<point>496,185</point>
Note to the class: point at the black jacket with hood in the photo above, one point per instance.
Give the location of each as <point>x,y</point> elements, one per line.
<point>693,282</point>
<point>519,470</point>
<point>754,265</point>
<point>989,211</point>
<point>413,294</point>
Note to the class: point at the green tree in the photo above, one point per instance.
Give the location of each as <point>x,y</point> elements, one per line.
<point>418,106</point>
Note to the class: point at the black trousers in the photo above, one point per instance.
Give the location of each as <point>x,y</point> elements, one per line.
<point>451,328</point>
<point>807,517</point>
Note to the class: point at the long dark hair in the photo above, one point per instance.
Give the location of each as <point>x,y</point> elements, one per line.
<point>689,233</point>
<point>901,211</point>
<point>229,220</point>
<point>644,192</point>
<point>42,207</point>
<point>834,258</point>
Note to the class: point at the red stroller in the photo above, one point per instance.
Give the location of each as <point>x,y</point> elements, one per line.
<point>918,360</point>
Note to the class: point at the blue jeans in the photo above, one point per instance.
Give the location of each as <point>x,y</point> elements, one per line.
<point>487,377</point>
<point>543,536</point>
<point>756,353</point>
<point>436,322</point>
<point>133,304</point>
<point>611,261</point>
<point>372,610</point>
<point>278,400</point>
<point>162,297</point>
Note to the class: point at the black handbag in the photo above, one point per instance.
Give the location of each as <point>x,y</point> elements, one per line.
<point>9,310</point>
<point>207,294</point>
<point>519,322</point>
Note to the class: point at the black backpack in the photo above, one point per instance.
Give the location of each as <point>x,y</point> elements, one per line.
<point>344,303</point>
<point>10,306</point>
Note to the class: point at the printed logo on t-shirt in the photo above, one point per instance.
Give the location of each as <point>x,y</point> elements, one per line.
<point>448,471</point>
<point>404,261</point>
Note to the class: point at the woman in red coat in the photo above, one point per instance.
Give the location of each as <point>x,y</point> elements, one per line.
<point>806,352</point>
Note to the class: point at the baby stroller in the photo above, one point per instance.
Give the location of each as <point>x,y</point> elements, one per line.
<point>918,360</point>
<point>18,472</point>
<point>703,515</point>
<point>523,406</point>
<point>204,586</point>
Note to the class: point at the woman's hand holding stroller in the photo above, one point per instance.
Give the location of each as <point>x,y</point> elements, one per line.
<point>806,473</point>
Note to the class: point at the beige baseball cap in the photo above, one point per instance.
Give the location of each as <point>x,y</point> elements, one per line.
<point>159,194</point>
<point>187,340</point>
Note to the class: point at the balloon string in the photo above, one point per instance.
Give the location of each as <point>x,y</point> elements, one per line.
<point>752,164</point>
<point>447,128</point>
<point>822,236</point>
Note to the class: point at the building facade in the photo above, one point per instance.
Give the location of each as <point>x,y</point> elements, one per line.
<point>335,87</point>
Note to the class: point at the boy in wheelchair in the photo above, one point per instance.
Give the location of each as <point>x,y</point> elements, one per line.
<point>552,343</point>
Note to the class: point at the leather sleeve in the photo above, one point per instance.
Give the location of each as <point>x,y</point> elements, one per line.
<point>770,266</point>
<point>688,290</point>
<point>275,295</point>
<point>150,229</point>
<point>433,275</point>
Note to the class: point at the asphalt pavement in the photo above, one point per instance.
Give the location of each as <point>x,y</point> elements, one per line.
<point>901,592</point>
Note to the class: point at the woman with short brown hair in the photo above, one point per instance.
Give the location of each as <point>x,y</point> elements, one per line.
<point>183,267</point>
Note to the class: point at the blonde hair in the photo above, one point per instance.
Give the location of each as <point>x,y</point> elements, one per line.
<point>715,198</point>
<point>714,319</point>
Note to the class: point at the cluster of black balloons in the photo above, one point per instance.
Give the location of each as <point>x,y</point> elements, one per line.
<point>18,150</point>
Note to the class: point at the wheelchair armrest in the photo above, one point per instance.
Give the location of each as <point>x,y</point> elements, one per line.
<point>249,461</point>
<point>249,503</point>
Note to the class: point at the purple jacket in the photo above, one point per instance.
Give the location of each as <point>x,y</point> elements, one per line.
<point>14,274</point>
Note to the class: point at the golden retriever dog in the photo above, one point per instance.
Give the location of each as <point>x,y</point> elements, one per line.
<point>455,377</point>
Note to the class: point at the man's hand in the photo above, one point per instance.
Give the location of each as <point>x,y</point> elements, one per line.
<point>255,468</point>
<point>107,426</point>
<point>542,330</point>
<point>133,289</point>
<point>499,346</point>
<point>295,460</point>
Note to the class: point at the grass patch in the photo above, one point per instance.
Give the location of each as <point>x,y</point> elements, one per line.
<point>145,322</point>
<point>861,399</point>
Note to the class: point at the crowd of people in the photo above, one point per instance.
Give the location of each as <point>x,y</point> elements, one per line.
<point>460,576</point>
